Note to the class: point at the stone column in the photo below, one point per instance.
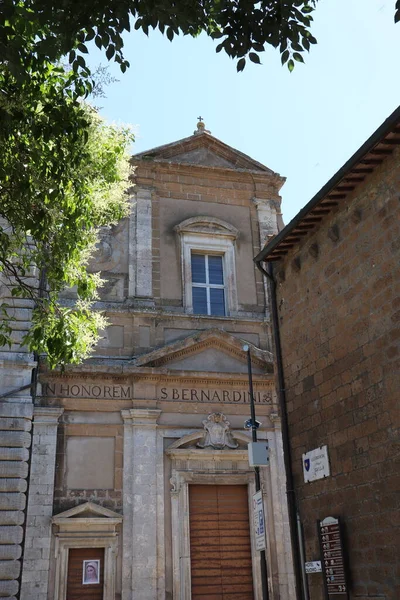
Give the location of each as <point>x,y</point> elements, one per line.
<point>140,246</point>
<point>139,561</point>
<point>36,565</point>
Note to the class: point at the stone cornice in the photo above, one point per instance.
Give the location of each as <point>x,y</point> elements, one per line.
<point>153,374</point>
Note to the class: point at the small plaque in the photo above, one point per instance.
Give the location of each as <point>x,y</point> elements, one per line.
<point>333,566</point>
<point>259,521</point>
<point>313,566</point>
<point>316,464</point>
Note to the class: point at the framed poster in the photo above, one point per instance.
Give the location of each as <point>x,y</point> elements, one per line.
<point>90,572</point>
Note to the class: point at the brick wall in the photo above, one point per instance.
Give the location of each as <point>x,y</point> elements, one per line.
<point>338,298</point>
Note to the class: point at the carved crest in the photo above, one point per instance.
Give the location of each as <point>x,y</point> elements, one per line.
<point>217,433</point>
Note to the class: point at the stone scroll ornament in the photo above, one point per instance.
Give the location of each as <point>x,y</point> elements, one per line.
<point>217,433</point>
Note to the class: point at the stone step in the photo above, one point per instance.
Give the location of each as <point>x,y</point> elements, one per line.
<point>9,569</point>
<point>12,517</point>
<point>15,439</point>
<point>13,500</point>
<point>11,534</point>
<point>13,485</point>
<point>10,552</point>
<point>13,469</point>
<point>14,454</point>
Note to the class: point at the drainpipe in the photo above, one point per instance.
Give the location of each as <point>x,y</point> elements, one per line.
<point>290,492</point>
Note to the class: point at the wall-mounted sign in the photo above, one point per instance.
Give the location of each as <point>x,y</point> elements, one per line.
<point>259,521</point>
<point>313,566</point>
<point>316,464</point>
<point>87,390</point>
<point>218,396</point>
<point>333,566</point>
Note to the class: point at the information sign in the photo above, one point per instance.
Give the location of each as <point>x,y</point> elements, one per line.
<point>316,464</point>
<point>313,567</point>
<point>259,521</point>
<point>334,571</point>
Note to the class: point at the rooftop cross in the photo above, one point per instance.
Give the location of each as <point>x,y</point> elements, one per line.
<point>201,127</point>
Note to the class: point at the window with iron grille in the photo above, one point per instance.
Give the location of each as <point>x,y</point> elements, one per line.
<point>208,289</point>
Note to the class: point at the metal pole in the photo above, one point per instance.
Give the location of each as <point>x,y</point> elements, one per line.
<point>263,558</point>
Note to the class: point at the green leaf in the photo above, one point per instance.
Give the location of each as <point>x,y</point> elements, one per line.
<point>290,65</point>
<point>254,58</point>
<point>241,64</point>
<point>298,57</point>
<point>110,51</point>
<point>82,48</point>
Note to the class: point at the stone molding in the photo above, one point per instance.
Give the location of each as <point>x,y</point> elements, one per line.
<point>74,531</point>
<point>46,415</point>
<point>218,240</point>
<point>198,341</point>
<point>206,225</point>
<point>144,417</point>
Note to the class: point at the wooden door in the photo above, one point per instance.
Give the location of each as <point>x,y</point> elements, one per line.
<point>85,567</point>
<point>220,550</point>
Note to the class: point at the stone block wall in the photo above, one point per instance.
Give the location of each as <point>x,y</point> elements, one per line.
<point>66,497</point>
<point>15,440</point>
<point>338,299</point>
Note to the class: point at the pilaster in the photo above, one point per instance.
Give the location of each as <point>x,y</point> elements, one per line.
<point>139,563</point>
<point>280,511</point>
<point>40,504</point>
<point>140,245</point>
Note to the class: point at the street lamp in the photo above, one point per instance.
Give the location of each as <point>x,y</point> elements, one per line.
<point>254,427</point>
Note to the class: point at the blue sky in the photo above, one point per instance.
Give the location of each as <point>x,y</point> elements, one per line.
<point>304,124</point>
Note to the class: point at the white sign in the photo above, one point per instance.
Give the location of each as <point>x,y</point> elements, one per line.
<point>313,566</point>
<point>259,521</point>
<point>316,464</point>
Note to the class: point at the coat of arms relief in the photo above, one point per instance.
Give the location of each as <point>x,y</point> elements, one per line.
<point>217,433</point>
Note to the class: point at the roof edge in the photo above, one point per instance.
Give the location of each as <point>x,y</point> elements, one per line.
<point>379,134</point>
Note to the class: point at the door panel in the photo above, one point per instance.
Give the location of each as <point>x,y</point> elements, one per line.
<point>76,589</point>
<point>220,549</point>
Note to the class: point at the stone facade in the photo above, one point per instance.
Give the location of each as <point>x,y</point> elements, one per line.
<point>16,412</point>
<point>116,440</point>
<point>338,299</point>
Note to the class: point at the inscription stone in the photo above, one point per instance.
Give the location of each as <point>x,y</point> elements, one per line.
<point>88,390</point>
<point>213,395</point>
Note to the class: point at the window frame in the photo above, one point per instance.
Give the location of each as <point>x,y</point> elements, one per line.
<point>210,286</point>
<point>208,235</point>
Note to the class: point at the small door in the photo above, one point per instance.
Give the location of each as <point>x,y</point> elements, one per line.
<point>85,574</point>
<point>220,549</point>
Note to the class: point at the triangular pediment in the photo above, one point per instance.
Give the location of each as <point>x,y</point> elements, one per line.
<point>203,150</point>
<point>86,511</point>
<point>212,351</point>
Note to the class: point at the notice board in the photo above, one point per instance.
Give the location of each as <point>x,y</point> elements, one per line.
<point>334,568</point>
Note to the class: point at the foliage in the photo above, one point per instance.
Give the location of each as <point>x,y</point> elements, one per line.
<point>63,174</point>
<point>62,171</point>
<point>244,27</point>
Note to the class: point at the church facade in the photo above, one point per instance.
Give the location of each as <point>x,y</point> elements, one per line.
<point>137,485</point>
